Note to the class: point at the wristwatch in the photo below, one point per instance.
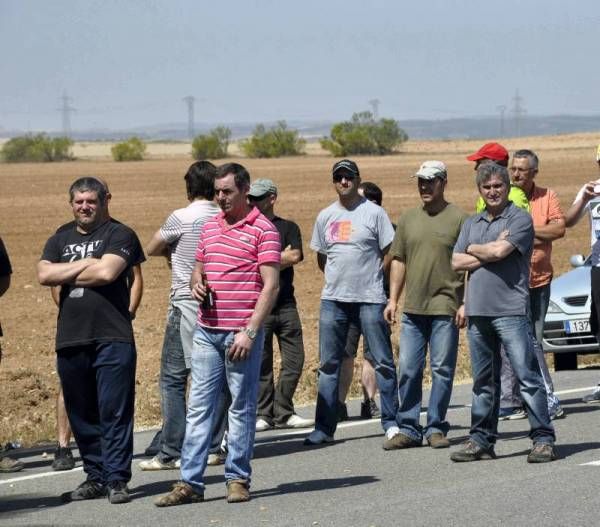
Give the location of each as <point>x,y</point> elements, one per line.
<point>250,332</point>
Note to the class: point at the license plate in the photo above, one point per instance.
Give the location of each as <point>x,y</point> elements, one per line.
<point>577,326</point>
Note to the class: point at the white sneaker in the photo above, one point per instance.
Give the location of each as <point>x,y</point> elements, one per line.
<point>391,432</point>
<point>262,425</point>
<point>295,421</point>
<point>316,437</point>
<point>156,464</point>
<point>216,459</point>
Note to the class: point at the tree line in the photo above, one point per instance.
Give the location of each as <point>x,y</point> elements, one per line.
<point>361,135</point>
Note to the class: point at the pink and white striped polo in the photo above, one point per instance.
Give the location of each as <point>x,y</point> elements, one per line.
<point>232,255</point>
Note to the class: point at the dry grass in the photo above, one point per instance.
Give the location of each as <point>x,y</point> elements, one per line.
<point>33,203</point>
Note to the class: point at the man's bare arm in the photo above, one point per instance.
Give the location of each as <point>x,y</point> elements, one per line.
<point>55,293</point>
<point>553,230</point>
<point>290,257</point>
<point>52,274</point>
<point>104,271</point>
<point>397,278</point>
<point>242,343</point>
<point>136,291</point>
<point>321,261</point>
<point>157,246</point>
<point>465,262</point>
<point>491,251</point>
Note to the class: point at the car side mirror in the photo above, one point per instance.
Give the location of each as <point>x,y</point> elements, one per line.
<point>577,260</point>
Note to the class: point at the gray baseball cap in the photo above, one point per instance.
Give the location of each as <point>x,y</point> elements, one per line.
<point>260,187</point>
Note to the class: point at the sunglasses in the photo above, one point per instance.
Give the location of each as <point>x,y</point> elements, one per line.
<point>341,174</point>
<point>259,198</point>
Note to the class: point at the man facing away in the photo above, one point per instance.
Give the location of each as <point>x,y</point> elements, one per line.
<point>275,403</point>
<point>495,247</point>
<point>96,353</point>
<point>177,241</point>
<point>236,281</point>
<point>548,225</point>
<point>351,237</point>
<point>432,313</point>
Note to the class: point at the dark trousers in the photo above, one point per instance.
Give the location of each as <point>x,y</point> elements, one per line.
<point>98,383</point>
<point>275,402</point>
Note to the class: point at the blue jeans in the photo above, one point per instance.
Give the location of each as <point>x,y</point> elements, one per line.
<point>539,297</point>
<point>334,320</point>
<point>441,334</point>
<point>173,384</point>
<point>486,335</point>
<point>210,370</point>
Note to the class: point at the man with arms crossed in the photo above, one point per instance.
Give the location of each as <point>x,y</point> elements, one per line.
<point>351,237</point>
<point>275,403</point>
<point>177,240</point>
<point>495,247</point>
<point>432,313</point>
<point>236,280</point>
<point>96,354</point>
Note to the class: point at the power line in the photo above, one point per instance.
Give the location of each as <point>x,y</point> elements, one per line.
<point>502,109</point>
<point>189,100</point>
<point>375,106</point>
<point>66,110</point>
<point>518,112</point>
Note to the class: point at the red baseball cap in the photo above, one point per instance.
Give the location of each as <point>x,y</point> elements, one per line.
<point>493,151</point>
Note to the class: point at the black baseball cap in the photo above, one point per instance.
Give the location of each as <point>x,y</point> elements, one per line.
<point>348,165</point>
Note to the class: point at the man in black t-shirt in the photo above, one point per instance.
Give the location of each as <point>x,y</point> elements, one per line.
<point>275,403</point>
<point>95,347</point>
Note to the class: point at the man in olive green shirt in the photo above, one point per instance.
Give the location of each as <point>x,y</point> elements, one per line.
<point>432,313</point>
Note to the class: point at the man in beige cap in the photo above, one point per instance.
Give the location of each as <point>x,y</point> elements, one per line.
<point>432,313</point>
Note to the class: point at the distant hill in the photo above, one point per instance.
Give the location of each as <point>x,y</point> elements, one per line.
<point>456,128</point>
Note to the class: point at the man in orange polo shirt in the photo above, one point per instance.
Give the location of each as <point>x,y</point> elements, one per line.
<point>549,225</point>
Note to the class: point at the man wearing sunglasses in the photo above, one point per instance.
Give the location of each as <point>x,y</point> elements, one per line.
<point>351,237</point>
<point>275,402</point>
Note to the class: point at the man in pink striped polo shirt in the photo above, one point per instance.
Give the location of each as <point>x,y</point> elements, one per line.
<point>236,281</point>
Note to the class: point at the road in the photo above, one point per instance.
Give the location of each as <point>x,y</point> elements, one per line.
<point>354,482</point>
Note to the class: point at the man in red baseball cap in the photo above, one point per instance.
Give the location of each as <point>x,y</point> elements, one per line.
<point>492,151</point>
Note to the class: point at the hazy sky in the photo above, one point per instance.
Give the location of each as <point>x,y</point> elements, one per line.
<point>127,63</point>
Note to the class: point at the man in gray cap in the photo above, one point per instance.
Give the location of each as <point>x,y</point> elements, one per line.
<point>275,401</point>
<point>432,313</point>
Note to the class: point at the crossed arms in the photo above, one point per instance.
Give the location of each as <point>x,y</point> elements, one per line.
<point>87,272</point>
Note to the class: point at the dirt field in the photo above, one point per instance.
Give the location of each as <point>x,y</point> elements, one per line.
<point>33,203</point>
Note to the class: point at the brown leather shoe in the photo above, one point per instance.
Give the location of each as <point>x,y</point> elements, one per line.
<point>181,494</point>
<point>400,440</point>
<point>438,440</point>
<point>237,491</point>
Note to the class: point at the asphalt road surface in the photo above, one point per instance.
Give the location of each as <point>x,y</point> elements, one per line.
<point>354,482</point>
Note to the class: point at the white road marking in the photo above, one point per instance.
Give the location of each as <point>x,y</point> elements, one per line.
<point>40,475</point>
<point>294,432</point>
<point>592,463</point>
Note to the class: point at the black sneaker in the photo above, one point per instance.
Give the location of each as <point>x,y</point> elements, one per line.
<point>369,409</point>
<point>118,492</point>
<point>63,459</point>
<point>154,446</point>
<point>342,412</point>
<point>541,453</point>
<point>88,490</point>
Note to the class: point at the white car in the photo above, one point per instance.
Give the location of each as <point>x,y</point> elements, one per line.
<point>567,324</point>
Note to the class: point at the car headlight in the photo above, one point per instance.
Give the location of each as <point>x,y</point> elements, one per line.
<point>553,308</point>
